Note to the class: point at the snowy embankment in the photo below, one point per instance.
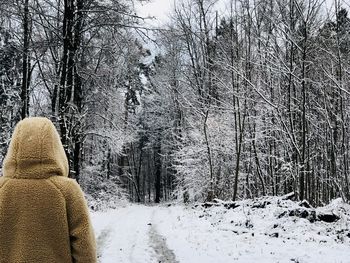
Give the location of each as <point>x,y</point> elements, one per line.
<point>265,230</point>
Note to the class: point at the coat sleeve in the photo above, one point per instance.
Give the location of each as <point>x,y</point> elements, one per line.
<point>82,238</point>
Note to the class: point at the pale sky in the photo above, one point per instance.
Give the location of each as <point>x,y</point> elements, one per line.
<point>159,9</point>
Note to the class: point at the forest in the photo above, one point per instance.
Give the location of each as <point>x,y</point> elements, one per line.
<point>230,99</point>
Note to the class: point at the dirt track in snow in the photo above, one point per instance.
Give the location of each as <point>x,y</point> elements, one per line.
<point>158,243</point>
<point>132,237</point>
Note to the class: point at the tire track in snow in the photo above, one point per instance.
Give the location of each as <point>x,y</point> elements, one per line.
<point>129,235</point>
<point>123,235</point>
<point>163,253</point>
<point>102,240</point>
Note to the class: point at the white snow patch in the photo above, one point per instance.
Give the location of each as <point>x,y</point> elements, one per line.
<point>216,234</point>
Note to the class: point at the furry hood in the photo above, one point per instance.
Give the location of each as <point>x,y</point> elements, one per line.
<point>35,151</point>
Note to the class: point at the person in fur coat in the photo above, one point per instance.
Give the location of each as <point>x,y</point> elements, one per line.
<point>44,217</point>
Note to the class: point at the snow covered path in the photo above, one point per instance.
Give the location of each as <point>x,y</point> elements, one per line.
<point>128,235</point>
<point>176,234</point>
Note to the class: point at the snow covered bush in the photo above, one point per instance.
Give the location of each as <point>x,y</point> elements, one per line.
<point>101,193</point>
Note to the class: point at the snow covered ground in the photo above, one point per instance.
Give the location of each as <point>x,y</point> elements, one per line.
<point>264,230</point>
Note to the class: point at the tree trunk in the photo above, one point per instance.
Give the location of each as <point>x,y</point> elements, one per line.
<point>25,62</point>
<point>158,168</point>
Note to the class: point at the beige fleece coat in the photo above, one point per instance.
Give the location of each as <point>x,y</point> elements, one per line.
<point>43,214</point>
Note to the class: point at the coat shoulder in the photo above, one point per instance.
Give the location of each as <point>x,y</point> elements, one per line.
<point>67,186</point>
